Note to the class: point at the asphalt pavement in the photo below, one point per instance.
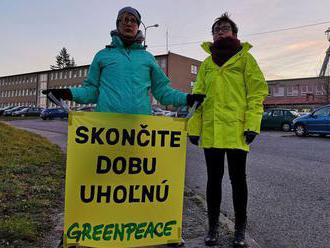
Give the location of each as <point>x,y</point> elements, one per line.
<point>288,179</point>
<point>289,183</point>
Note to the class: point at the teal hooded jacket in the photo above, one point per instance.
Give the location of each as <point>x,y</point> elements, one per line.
<point>120,78</point>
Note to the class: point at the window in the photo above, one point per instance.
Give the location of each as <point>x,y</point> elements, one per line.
<point>320,90</point>
<point>292,90</point>
<point>306,89</point>
<point>80,73</point>
<point>43,77</point>
<point>322,112</point>
<point>162,63</point>
<point>277,113</point>
<point>278,91</point>
<point>43,85</point>
<point>310,89</point>
<point>85,72</point>
<point>194,69</point>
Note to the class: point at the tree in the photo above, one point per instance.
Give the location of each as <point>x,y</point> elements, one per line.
<point>63,60</point>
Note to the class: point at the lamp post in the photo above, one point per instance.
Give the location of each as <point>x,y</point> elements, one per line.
<point>145,31</point>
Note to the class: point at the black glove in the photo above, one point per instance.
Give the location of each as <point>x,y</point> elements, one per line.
<point>64,94</point>
<point>194,140</point>
<point>249,136</point>
<point>192,98</point>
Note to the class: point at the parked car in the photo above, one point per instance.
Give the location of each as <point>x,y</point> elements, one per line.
<point>9,112</point>
<point>170,114</point>
<point>2,110</point>
<point>30,111</point>
<point>86,108</point>
<point>317,122</point>
<point>278,119</point>
<point>159,112</point>
<point>51,113</point>
<point>182,112</point>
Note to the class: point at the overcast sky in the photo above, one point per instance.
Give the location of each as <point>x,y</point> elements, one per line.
<point>34,31</point>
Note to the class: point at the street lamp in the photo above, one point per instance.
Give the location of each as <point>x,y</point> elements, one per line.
<point>145,31</point>
<point>328,34</point>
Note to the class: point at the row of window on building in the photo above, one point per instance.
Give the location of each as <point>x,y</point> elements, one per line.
<point>18,80</point>
<point>294,90</point>
<point>69,74</point>
<point>23,92</point>
<point>66,74</point>
<point>27,104</point>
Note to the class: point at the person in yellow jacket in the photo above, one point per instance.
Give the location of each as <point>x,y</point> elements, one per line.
<point>228,120</point>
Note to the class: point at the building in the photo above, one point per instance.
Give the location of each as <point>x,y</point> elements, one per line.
<point>299,93</point>
<point>25,89</point>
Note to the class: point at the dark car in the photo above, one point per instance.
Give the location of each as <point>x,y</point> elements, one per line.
<point>86,109</point>
<point>30,111</point>
<point>52,113</point>
<point>278,119</point>
<point>10,111</point>
<point>317,122</point>
<point>2,110</point>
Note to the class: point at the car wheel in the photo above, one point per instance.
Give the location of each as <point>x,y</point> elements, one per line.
<point>44,118</point>
<point>286,127</point>
<point>300,130</point>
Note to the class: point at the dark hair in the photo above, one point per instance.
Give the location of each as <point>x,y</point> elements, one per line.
<point>225,18</point>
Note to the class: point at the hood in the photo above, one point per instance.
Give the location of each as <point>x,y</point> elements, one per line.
<point>303,117</point>
<point>117,42</point>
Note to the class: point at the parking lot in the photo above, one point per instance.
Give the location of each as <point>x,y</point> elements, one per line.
<point>289,182</point>
<point>288,178</point>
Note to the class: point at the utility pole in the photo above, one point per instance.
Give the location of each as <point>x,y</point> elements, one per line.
<point>166,40</point>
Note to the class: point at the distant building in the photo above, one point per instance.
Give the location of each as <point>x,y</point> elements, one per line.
<point>299,93</point>
<point>25,89</point>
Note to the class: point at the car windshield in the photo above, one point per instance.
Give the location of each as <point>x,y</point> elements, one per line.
<point>295,113</point>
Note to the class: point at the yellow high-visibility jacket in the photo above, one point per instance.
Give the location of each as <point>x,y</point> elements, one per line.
<point>234,100</point>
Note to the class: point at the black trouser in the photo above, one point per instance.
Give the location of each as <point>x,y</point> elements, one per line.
<point>237,172</point>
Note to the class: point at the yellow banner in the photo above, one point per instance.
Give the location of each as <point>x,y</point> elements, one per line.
<point>124,180</point>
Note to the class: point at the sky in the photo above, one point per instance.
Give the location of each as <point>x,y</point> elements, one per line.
<point>33,32</point>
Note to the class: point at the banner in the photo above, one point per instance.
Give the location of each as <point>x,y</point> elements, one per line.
<point>124,180</point>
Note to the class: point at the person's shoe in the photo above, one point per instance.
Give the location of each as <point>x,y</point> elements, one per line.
<point>239,236</point>
<point>212,236</point>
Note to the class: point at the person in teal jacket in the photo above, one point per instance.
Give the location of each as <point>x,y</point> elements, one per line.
<point>122,74</point>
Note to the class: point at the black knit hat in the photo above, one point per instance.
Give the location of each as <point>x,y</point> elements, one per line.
<point>131,11</point>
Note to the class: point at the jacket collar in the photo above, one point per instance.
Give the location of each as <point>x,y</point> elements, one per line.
<point>245,48</point>
<point>117,42</point>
